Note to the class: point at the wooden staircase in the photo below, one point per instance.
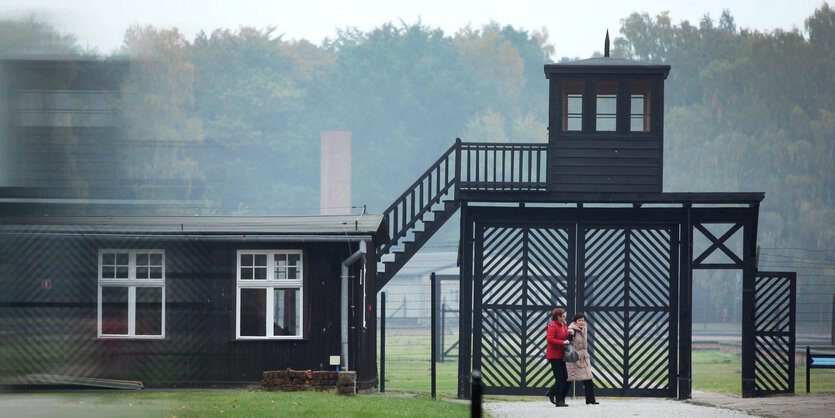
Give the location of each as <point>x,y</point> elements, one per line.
<point>418,214</point>
<point>465,172</point>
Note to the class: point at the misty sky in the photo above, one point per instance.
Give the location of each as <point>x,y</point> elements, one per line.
<point>576,28</point>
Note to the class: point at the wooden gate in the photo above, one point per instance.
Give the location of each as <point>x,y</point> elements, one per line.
<point>774,326</point>
<point>524,271</point>
<point>628,288</point>
<point>623,276</point>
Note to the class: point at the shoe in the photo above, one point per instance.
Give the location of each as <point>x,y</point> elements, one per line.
<point>593,403</point>
<point>559,404</point>
<point>551,396</point>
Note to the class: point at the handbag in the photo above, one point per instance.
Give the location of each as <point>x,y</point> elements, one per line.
<point>570,354</point>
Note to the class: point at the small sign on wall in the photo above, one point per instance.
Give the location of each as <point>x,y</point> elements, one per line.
<point>46,284</point>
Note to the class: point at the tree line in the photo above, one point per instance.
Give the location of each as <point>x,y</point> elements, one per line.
<point>235,115</point>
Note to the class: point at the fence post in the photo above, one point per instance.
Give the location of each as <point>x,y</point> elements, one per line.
<point>475,398</point>
<point>434,331</point>
<point>382,342</point>
<point>808,363</point>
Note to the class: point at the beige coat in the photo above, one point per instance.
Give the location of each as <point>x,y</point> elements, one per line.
<point>581,369</point>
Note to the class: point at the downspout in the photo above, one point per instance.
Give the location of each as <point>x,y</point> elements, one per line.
<point>343,300</point>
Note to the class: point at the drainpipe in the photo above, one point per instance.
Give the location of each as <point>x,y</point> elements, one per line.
<point>343,301</point>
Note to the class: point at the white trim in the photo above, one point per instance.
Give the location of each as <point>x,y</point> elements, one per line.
<point>269,285</point>
<point>131,283</point>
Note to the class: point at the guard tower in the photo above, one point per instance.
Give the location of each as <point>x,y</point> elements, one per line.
<point>582,222</point>
<point>606,125</point>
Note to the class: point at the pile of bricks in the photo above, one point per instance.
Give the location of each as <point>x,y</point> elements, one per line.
<point>298,380</point>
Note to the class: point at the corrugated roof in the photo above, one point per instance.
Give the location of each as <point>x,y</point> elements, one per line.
<point>365,224</point>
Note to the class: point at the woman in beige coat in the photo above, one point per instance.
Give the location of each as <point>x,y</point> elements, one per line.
<point>580,370</point>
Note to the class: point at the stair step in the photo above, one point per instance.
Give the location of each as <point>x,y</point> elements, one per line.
<point>409,244</point>
<point>407,248</point>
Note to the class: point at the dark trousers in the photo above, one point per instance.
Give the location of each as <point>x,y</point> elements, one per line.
<point>588,389</point>
<point>560,388</point>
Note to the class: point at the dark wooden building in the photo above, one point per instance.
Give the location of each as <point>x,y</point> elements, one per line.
<point>606,126</point>
<point>186,301</point>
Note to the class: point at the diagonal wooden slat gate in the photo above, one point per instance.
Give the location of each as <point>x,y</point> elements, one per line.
<point>774,338</point>
<point>525,271</point>
<point>623,277</point>
<point>627,288</point>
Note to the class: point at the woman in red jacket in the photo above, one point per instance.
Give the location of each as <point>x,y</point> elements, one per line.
<point>557,339</point>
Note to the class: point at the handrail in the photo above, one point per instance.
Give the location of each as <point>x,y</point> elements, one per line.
<point>419,198</point>
<point>504,167</point>
<point>418,181</point>
<point>468,166</point>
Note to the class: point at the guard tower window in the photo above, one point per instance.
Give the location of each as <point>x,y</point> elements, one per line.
<point>639,105</point>
<point>606,96</point>
<point>572,105</point>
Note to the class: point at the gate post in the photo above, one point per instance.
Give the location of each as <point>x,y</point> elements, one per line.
<point>749,248</point>
<point>466,303</point>
<point>685,306</point>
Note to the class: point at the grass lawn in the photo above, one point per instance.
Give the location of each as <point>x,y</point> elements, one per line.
<point>408,369</point>
<point>718,371</point>
<point>179,403</point>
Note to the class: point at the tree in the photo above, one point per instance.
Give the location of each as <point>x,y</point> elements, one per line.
<point>249,87</point>
<point>160,132</point>
<point>30,36</point>
<point>749,111</point>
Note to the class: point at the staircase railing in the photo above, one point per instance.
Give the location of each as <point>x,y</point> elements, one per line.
<point>503,167</point>
<point>467,167</point>
<point>402,215</point>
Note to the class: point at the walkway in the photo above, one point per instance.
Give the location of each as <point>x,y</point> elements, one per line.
<point>703,404</point>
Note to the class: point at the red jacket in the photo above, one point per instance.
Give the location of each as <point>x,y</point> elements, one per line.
<point>557,334</point>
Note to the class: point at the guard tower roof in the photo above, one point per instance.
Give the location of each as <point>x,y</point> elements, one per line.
<point>606,65</point>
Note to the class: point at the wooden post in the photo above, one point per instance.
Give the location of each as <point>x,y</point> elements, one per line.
<point>685,303</point>
<point>458,169</point>
<point>749,249</point>
<point>465,306</point>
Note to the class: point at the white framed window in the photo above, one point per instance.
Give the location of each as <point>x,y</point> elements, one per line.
<point>131,294</point>
<point>572,105</point>
<point>606,96</point>
<point>268,300</point>
<point>639,104</point>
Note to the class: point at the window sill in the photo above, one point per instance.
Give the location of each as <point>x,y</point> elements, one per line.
<point>125,337</point>
<point>248,339</point>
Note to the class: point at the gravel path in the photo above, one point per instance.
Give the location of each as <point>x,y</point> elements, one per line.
<point>608,408</point>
